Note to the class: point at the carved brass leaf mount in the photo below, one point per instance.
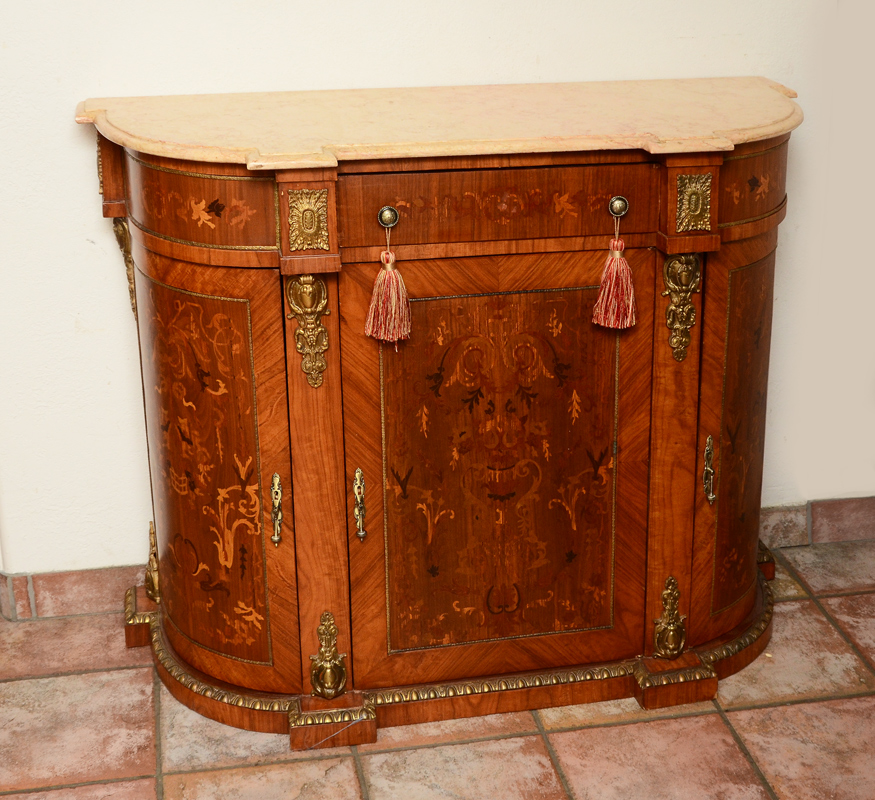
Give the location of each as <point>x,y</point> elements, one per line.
<point>123,237</point>
<point>328,670</point>
<point>308,219</point>
<point>694,203</point>
<point>708,473</point>
<point>308,300</point>
<point>358,511</point>
<point>670,633</point>
<point>682,276</point>
<point>153,585</point>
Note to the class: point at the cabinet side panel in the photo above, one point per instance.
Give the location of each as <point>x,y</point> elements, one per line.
<point>735,359</point>
<point>739,453</point>
<point>200,395</point>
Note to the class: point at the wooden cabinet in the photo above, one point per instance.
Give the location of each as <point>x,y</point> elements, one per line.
<point>514,508</point>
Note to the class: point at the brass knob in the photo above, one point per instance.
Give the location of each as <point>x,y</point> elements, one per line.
<point>388,216</point>
<point>618,205</point>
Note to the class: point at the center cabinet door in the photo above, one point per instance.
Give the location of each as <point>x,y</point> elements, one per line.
<point>504,452</point>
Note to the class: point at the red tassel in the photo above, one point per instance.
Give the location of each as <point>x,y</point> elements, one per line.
<point>615,307</point>
<point>389,314</point>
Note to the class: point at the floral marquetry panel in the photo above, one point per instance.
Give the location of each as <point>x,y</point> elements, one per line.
<point>499,457</point>
<point>204,452</point>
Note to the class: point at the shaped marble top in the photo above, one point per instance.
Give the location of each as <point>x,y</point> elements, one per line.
<point>294,130</point>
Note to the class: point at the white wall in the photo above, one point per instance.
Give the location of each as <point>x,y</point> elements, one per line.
<point>74,491</point>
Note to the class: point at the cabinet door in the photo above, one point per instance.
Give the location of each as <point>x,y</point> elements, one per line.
<point>736,334</point>
<point>217,422</point>
<point>504,452</point>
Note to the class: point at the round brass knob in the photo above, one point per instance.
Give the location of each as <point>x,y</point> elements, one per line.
<point>388,216</point>
<point>618,205</point>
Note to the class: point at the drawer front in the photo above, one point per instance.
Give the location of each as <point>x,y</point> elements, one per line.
<point>754,182</point>
<point>189,204</point>
<point>486,205</point>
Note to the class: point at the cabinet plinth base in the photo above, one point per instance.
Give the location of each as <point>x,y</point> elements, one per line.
<point>354,718</point>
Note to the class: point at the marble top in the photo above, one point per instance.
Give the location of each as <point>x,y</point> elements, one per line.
<point>294,130</point>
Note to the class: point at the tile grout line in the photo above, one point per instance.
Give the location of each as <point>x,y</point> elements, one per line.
<point>552,753</point>
<point>31,597</point>
<point>106,782</point>
<point>796,575</point>
<point>10,596</point>
<point>621,723</point>
<point>159,750</point>
<point>746,753</point>
<point>74,673</point>
<point>799,701</point>
<point>360,772</point>
<point>71,616</point>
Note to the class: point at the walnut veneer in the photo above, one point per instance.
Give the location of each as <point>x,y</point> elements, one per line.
<point>553,512</point>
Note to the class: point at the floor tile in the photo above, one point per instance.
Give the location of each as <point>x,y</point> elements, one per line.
<point>613,711</point>
<point>22,597</point>
<point>191,742</point>
<point>806,658</point>
<point>52,646</point>
<point>855,615</point>
<point>784,587</point>
<point>843,520</point>
<point>120,790</point>
<point>669,759</point>
<point>518,768</point>
<point>328,779</point>
<point>76,728</point>
<point>451,730</point>
<point>784,526</point>
<point>6,601</point>
<point>814,751</point>
<point>835,566</point>
<point>88,591</point>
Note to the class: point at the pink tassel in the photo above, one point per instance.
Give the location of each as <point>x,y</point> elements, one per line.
<point>615,307</point>
<point>389,314</point>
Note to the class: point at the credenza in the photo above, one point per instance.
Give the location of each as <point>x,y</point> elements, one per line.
<point>512,508</point>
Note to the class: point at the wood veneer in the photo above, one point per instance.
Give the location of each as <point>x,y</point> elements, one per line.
<point>532,480</point>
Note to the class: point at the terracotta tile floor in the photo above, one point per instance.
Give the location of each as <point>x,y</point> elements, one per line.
<point>83,718</point>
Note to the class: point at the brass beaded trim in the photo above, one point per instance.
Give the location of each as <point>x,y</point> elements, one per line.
<point>647,680</point>
<point>411,694</point>
<point>746,639</point>
<point>299,719</point>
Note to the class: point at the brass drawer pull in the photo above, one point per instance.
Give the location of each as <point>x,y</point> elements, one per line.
<point>276,494</point>
<point>358,492</point>
<point>708,474</point>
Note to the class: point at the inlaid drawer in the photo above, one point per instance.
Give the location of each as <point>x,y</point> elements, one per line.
<point>222,206</point>
<point>487,205</point>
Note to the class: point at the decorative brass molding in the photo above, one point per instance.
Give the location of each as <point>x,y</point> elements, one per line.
<point>694,202</point>
<point>153,585</point>
<point>308,298</point>
<point>132,616</point>
<point>411,694</point>
<point>179,674</point>
<point>708,472</point>
<point>99,166</point>
<point>358,511</point>
<point>328,672</point>
<point>764,555</point>
<point>682,275</point>
<point>308,219</point>
<point>649,680</point>
<point>276,496</point>
<point>746,639</point>
<point>300,719</point>
<point>670,633</point>
<point>123,237</point>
